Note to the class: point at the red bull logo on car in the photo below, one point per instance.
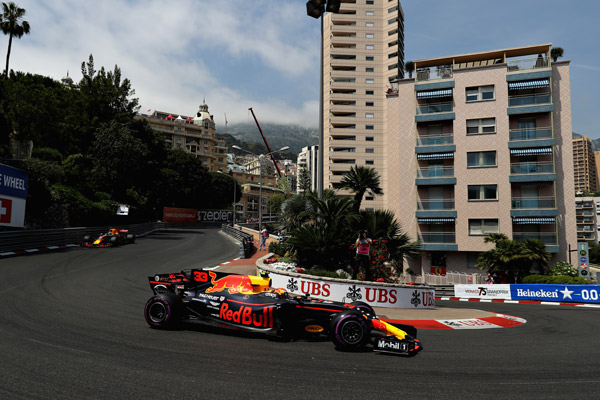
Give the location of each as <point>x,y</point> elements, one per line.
<point>231,283</point>
<point>260,318</point>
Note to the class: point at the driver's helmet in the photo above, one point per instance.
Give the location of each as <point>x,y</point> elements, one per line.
<point>113,231</point>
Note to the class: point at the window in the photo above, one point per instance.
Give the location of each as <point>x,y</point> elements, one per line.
<point>370,92</point>
<point>369,115</point>
<point>370,47</point>
<point>369,198</point>
<point>483,226</point>
<point>369,150</point>
<point>369,35</point>
<point>369,138</point>
<point>479,126</point>
<point>369,104</point>
<point>369,80</point>
<point>369,24</point>
<point>370,13</point>
<point>481,159</point>
<point>369,127</point>
<point>482,192</point>
<point>369,58</point>
<point>370,1</point>
<point>369,69</point>
<point>480,93</point>
<point>369,162</point>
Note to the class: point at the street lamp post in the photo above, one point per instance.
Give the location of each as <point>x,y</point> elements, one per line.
<point>260,167</point>
<point>316,9</point>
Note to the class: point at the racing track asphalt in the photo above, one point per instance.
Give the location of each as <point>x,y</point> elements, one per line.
<point>72,327</point>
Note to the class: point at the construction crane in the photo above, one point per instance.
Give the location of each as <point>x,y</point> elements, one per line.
<point>266,143</point>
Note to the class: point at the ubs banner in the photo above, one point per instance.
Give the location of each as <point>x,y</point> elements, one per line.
<point>13,195</point>
<point>378,296</point>
<point>557,293</point>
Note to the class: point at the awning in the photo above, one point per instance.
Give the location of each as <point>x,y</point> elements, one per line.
<point>430,94</point>
<point>435,220</point>
<point>531,152</point>
<point>534,220</point>
<point>541,83</point>
<point>435,156</point>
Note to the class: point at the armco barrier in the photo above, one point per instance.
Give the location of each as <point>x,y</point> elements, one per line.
<point>375,294</point>
<point>245,239</point>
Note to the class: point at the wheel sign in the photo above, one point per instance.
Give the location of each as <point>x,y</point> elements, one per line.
<point>13,193</point>
<point>582,251</point>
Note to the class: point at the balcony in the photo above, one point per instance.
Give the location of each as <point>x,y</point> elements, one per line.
<point>526,64</point>
<point>434,241</point>
<point>442,208</point>
<point>440,140</point>
<point>532,171</point>
<point>530,137</point>
<point>529,103</point>
<point>436,176</point>
<point>549,238</point>
<point>434,73</point>
<point>434,112</point>
<point>533,207</point>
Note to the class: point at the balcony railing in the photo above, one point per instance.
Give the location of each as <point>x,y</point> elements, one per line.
<point>436,204</point>
<point>546,237</point>
<point>524,64</point>
<point>435,172</point>
<point>424,109</point>
<point>527,203</point>
<point>435,140</point>
<point>544,167</point>
<point>530,134</point>
<point>434,73</point>
<point>430,237</point>
<point>528,100</point>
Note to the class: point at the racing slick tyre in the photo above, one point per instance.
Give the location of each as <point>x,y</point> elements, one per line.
<point>130,238</point>
<point>114,241</point>
<point>163,311</point>
<point>366,308</point>
<point>349,330</point>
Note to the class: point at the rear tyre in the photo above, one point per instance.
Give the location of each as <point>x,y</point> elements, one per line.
<point>349,330</point>
<point>366,308</point>
<point>163,311</point>
<point>86,240</point>
<point>130,238</point>
<point>114,242</point>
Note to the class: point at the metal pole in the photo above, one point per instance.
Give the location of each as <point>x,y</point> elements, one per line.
<point>321,159</point>
<point>260,195</point>
<point>233,204</point>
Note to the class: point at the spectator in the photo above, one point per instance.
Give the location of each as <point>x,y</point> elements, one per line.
<point>490,279</point>
<point>264,234</point>
<point>363,250</point>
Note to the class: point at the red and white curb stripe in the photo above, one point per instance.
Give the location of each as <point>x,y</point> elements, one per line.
<point>28,251</point>
<point>497,321</point>
<point>548,303</point>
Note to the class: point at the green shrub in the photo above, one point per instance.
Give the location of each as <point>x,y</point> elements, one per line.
<point>279,248</point>
<point>555,280</point>
<point>323,272</point>
<point>562,268</point>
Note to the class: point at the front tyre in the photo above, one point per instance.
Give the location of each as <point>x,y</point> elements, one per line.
<point>349,330</point>
<point>163,311</point>
<point>364,307</point>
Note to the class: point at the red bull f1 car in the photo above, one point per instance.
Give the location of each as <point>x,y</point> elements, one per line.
<point>114,237</point>
<point>249,303</point>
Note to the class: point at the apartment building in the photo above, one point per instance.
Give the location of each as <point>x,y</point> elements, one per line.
<point>308,160</point>
<point>481,143</point>
<point>196,135</point>
<point>363,51</point>
<point>584,163</point>
<point>587,210</point>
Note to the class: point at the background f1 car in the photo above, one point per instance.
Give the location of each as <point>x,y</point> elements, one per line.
<point>250,303</point>
<point>114,237</point>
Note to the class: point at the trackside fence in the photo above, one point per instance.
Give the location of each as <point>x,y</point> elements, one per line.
<point>246,240</point>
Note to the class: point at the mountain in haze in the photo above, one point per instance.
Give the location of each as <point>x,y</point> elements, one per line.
<point>277,135</point>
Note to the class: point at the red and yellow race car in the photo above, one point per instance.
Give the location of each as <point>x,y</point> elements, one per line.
<point>246,302</point>
<point>114,237</point>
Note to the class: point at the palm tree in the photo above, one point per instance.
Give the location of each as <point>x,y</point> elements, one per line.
<point>556,53</point>
<point>360,179</point>
<point>13,25</point>
<point>382,225</point>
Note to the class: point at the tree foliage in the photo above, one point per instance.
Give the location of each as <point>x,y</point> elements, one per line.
<point>360,180</point>
<point>90,154</point>
<point>12,23</point>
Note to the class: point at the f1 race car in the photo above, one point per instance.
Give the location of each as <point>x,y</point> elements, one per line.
<point>249,303</point>
<point>114,237</point>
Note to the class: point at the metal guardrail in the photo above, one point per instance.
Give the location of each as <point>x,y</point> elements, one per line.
<point>246,240</point>
<point>31,239</point>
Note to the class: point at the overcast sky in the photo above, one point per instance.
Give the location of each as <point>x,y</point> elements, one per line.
<point>264,54</point>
